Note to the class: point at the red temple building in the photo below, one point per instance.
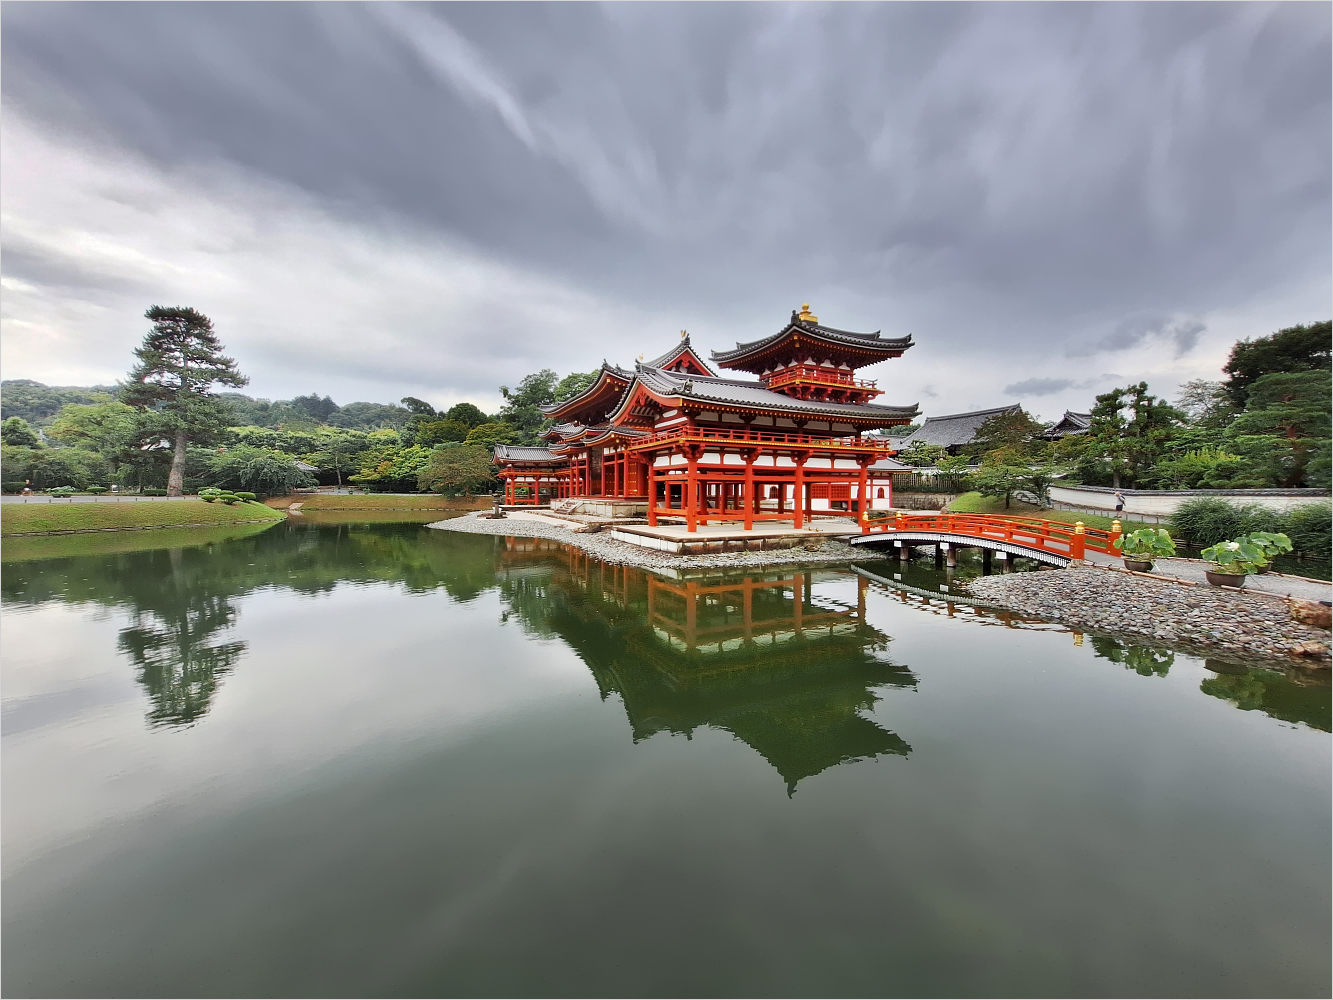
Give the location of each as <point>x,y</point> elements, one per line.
<point>674,437</point>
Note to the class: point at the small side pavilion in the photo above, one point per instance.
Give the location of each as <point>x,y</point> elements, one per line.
<point>531,476</point>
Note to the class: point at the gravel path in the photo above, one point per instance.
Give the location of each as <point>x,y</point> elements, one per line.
<point>1109,601</point>
<point>816,551</point>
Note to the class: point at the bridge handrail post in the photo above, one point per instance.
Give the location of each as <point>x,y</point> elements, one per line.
<point>1076,542</point>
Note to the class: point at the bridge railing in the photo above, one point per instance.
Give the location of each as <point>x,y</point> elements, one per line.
<point>1059,537</point>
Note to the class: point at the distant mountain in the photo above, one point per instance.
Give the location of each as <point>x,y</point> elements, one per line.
<point>38,404</point>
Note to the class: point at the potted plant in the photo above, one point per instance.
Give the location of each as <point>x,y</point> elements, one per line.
<point>1271,543</point>
<point>1139,548</point>
<point>1232,562</point>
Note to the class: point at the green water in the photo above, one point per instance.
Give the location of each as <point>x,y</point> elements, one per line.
<point>358,759</point>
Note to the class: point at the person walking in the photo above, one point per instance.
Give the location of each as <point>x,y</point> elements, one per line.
<point>1119,501</point>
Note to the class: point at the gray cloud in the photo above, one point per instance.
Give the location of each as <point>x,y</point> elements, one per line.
<point>908,166</point>
<point>1182,333</point>
<point>1053,386</point>
<point>1039,386</point>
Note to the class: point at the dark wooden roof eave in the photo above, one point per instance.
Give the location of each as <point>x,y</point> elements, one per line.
<point>591,397</point>
<point>869,345</point>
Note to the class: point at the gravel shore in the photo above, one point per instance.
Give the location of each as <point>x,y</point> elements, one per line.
<point>1102,600</point>
<point>817,551</point>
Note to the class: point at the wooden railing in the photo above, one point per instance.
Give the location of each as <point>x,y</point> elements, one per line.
<point>741,435</point>
<point>813,373</point>
<point>1059,537</point>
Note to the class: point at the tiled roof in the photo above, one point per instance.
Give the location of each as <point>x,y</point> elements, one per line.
<point>954,429</point>
<point>522,453</point>
<point>614,431</point>
<point>671,356</point>
<point>1071,423</point>
<point>860,341</point>
<point>589,394</point>
<point>722,391</point>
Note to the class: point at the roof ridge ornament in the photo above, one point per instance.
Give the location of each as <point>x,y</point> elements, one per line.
<point>806,315</point>
<point>685,335</point>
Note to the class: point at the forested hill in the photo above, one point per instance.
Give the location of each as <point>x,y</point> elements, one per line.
<point>38,404</point>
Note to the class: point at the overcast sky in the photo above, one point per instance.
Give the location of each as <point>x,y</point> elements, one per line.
<point>383,200</point>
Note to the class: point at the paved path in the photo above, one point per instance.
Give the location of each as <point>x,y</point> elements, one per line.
<point>1268,583</point>
<point>1193,570</point>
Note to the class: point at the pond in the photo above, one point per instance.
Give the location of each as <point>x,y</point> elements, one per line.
<point>376,759</point>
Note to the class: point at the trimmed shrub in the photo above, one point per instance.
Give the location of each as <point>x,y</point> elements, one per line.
<point>11,487</point>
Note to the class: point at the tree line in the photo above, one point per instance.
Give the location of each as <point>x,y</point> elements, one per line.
<point>165,427</point>
<point>1265,425</point>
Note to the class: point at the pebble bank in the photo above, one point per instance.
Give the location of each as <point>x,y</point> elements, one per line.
<point>1103,600</point>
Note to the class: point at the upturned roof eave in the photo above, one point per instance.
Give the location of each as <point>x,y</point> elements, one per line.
<point>872,343</point>
<point>572,405</point>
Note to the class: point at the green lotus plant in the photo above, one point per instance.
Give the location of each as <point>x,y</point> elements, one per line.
<point>1145,544</point>
<point>1235,558</point>
<point>1271,543</point>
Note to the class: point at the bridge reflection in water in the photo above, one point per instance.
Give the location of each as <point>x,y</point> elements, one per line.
<point>772,658</point>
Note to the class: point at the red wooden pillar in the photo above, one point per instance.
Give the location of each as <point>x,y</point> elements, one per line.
<point>691,497</point>
<point>652,496</point>
<point>748,499</point>
<point>798,494</point>
<point>863,496</point>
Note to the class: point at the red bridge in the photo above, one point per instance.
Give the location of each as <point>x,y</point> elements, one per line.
<point>1056,543</point>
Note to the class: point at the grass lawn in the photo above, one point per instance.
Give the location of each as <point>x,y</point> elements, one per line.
<point>376,501</point>
<point>975,503</point>
<point>21,518</point>
<point>107,543</point>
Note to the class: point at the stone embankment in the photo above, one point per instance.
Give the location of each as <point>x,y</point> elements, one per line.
<point>1206,619</point>
<point>816,551</point>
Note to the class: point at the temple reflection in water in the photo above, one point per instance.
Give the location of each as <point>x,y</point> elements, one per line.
<point>772,657</point>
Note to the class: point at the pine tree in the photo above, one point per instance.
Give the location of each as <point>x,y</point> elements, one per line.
<point>179,362</point>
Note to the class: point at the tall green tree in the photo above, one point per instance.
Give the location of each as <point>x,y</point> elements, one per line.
<point>180,361</point>
<point>1285,429</point>
<point>458,469</point>
<point>1013,435</point>
<point>573,384</point>
<point>466,413</point>
<point>18,432</point>
<point>522,404</point>
<point>1130,430</point>
<point>1301,348</point>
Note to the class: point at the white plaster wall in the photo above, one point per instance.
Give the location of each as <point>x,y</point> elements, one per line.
<point>1161,505</point>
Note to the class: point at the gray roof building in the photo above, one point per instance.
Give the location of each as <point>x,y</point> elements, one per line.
<point>1070,423</point>
<point>955,430</point>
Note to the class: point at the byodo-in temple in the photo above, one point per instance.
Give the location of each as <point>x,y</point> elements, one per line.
<point>674,440</point>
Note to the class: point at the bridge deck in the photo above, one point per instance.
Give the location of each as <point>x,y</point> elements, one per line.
<point>1054,542</point>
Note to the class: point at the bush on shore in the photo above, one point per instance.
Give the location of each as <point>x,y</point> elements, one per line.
<point>1206,521</point>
